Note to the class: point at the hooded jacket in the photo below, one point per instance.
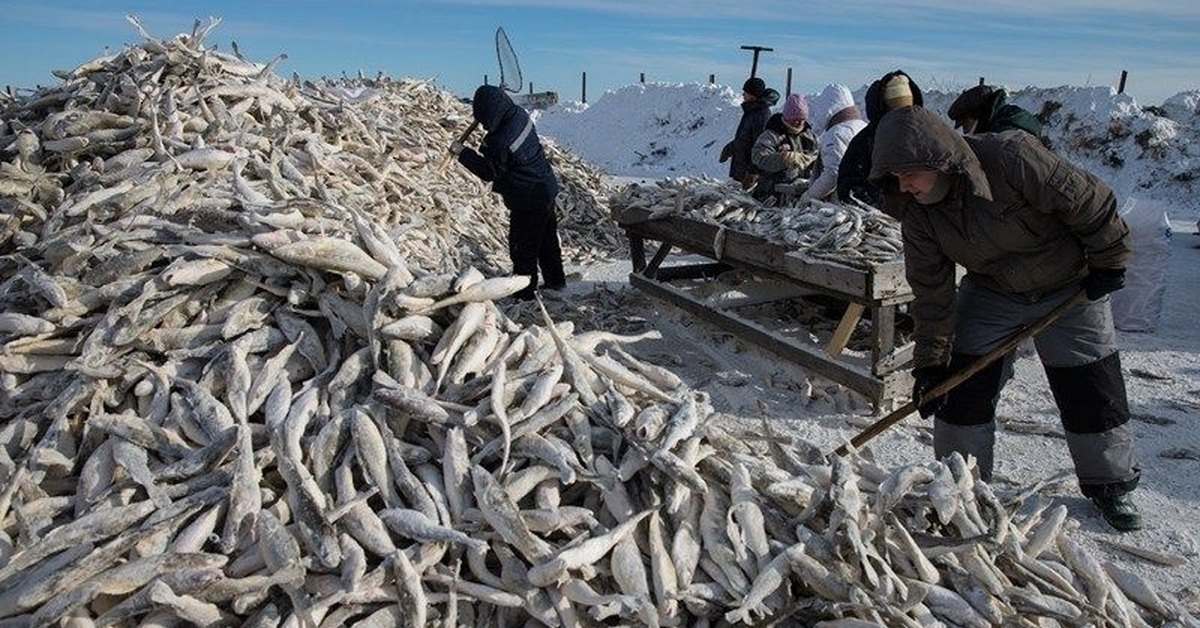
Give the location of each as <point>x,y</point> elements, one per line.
<point>510,155</point>
<point>776,141</point>
<point>836,117</point>
<point>855,168</point>
<point>755,114</point>
<point>1019,218</point>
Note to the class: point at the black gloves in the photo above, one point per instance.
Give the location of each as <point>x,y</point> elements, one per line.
<point>1102,281</point>
<point>924,379</point>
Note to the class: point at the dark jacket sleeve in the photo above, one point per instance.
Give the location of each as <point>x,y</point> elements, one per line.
<point>855,166</point>
<point>1084,203</point>
<point>752,124</point>
<point>930,274</point>
<point>1012,117</point>
<point>476,163</point>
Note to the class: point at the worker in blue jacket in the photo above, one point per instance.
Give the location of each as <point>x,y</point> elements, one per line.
<point>511,157</point>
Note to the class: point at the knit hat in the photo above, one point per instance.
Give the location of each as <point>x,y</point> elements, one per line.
<point>754,86</point>
<point>795,109</point>
<point>972,103</point>
<point>897,93</point>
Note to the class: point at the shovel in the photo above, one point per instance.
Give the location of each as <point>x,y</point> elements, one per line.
<point>462,138</point>
<point>946,385</point>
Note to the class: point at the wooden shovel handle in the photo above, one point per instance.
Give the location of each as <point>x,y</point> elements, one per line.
<point>462,138</point>
<point>946,385</point>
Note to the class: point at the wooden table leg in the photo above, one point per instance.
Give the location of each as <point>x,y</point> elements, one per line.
<point>841,336</point>
<point>637,252</point>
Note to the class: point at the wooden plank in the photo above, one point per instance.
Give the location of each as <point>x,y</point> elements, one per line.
<point>637,252</point>
<point>889,284</point>
<point>661,254</point>
<point>757,293</point>
<point>900,358</point>
<point>852,376</point>
<point>691,271</point>
<point>841,335</point>
<point>881,281</point>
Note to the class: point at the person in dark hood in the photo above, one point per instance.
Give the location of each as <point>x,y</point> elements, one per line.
<point>757,100</point>
<point>511,157</point>
<point>786,150</point>
<point>892,91</point>
<point>1032,231</point>
<point>984,109</point>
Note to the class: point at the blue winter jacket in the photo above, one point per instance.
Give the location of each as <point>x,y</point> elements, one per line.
<point>510,155</point>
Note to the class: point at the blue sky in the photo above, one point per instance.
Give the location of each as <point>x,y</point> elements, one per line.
<point>943,44</point>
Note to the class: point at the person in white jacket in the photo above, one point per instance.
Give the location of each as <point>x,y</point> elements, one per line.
<point>833,113</point>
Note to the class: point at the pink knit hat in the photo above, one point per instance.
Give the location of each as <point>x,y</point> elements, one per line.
<point>795,109</point>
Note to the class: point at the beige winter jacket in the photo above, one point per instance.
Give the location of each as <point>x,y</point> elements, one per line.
<point>1018,217</point>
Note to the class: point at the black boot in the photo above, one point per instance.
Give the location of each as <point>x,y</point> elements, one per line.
<point>1119,511</point>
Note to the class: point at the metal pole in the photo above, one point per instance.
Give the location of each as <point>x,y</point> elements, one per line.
<point>981,80</point>
<point>712,78</point>
<point>584,88</point>
<point>1121,86</point>
<point>485,77</point>
<point>754,63</point>
<point>642,77</point>
<point>788,91</point>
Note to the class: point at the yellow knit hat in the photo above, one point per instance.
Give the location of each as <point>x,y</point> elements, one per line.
<point>897,93</point>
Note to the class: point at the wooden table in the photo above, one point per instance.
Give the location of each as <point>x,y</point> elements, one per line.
<point>879,288</point>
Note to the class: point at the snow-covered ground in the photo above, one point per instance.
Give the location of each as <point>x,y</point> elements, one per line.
<point>1152,155</point>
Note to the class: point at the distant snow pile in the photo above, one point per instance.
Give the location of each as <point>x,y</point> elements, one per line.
<point>668,129</point>
<point>656,129</point>
<point>1184,106</point>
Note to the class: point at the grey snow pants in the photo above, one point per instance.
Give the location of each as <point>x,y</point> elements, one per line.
<point>1083,368</point>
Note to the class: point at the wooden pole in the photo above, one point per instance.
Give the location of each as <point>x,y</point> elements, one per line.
<point>462,138</point>
<point>583,89</point>
<point>1121,86</point>
<point>845,327</point>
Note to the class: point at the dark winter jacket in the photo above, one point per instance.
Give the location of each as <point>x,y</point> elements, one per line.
<point>770,150</point>
<point>512,158</point>
<point>1010,118</point>
<point>1019,218</point>
<point>988,106</point>
<point>856,163</point>
<point>755,114</point>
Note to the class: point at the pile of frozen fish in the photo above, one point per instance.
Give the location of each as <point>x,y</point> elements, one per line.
<point>246,378</point>
<point>852,233</point>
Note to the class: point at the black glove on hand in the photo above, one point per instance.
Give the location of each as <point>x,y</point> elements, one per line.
<point>924,379</point>
<point>1102,281</point>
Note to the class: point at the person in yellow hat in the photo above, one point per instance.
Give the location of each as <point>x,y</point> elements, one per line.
<point>891,91</point>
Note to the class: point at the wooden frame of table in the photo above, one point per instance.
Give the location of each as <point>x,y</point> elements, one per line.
<point>881,288</point>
